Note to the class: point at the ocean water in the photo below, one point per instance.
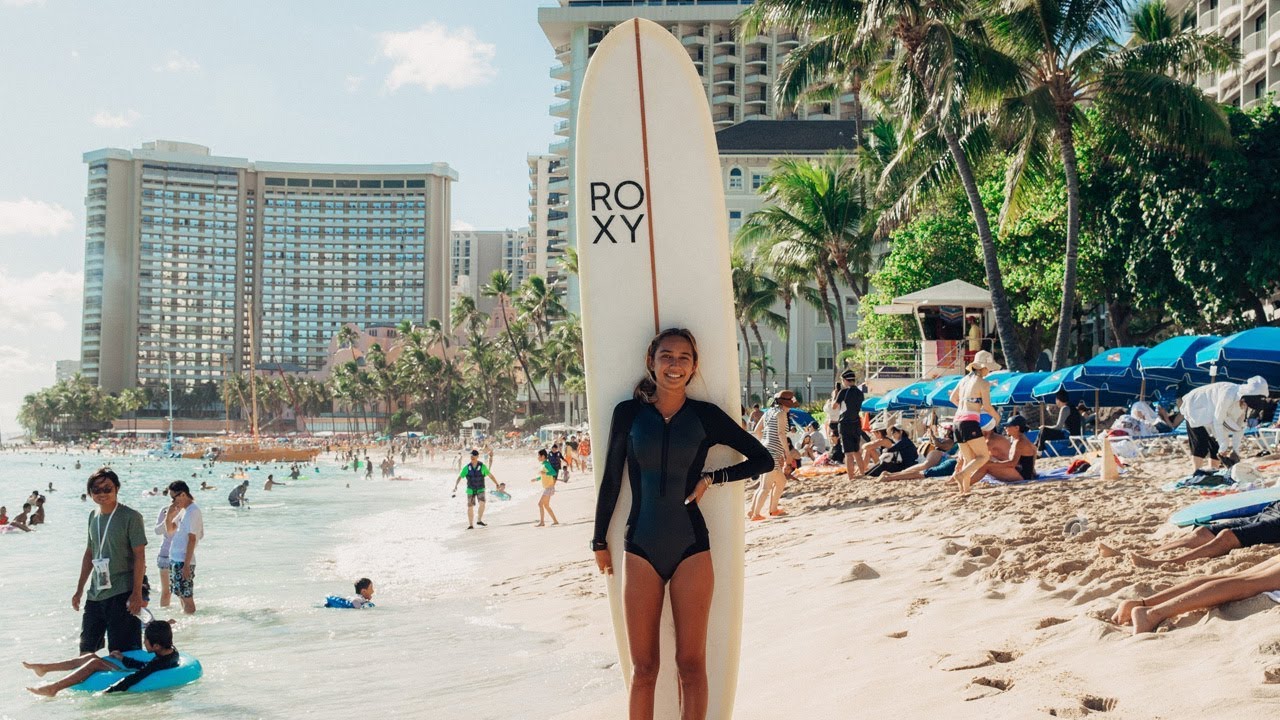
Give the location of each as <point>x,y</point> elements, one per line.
<point>436,646</point>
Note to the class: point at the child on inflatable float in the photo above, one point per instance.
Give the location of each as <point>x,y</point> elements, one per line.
<point>157,639</point>
<point>363,598</point>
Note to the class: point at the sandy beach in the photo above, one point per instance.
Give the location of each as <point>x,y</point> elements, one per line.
<point>874,598</point>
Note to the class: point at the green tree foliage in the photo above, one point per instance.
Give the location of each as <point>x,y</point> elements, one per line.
<point>71,409</point>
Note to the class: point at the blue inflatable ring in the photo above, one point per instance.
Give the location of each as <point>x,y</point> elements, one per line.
<point>341,603</point>
<point>187,671</point>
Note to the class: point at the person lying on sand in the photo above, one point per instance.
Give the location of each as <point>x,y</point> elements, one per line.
<point>939,461</point>
<point>1213,540</point>
<point>1200,593</point>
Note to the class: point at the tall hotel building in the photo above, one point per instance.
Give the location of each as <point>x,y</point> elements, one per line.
<point>1253,26</point>
<point>184,248</point>
<point>737,71</point>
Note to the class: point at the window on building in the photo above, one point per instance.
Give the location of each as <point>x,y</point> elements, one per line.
<point>299,182</point>
<point>415,183</point>
<point>735,179</point>
<point>735,221</point>
<point>346,183</point>
<point>275,181</point>
<point>1259,89</point>
<point>826,358</point>
<point>757,179</point>
<point>370,183</point>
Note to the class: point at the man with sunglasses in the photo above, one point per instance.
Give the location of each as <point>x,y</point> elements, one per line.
<point>113,565</point>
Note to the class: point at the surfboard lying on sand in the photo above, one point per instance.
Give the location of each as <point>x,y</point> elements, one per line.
<point>653,252</point>
<point>1225,507</point>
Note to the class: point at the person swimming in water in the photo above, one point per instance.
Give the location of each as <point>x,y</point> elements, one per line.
<point>972,396</point>
<point>661,437</point>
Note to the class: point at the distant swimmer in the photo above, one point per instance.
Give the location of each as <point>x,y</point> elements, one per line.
<point>271,482</point>
<point>152,492</point>
<point>206,486</point>
<point>52,488</point>
<point>237,497</point>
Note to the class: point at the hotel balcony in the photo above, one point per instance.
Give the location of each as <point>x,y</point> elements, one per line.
<point>1227,82</point>
<point>755,78</point>
<point>557,183</point>
<point>726,39</point>
<point>562,128</point>
<point>726,59</point>
<point>1254,48</point>
<point>1273,30</point>
<point>1208,21</point>
<point>788,39</point>
<point>1228,11</point>
<point>563,90</point>
<point>722,118</point>
<point>758,59</point>
<point>1207,83</point>
<point>1252,6</point>
<point>693,39</point>
<point>757,99</point>
<point>562,224</point>
<point>560,109</point>
<point>724,97</point>
<point>560,71</point>
<point>561,147</point>
<point>758,40</point>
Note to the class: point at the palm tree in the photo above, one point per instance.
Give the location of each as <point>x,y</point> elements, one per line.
<point>1070,59</point>
<point>754,295</point>
<point>347,336</point>
<point>501,287</point>
<point>936,71</point>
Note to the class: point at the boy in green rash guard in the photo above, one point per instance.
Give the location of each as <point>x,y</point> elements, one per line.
<point>475,472</point>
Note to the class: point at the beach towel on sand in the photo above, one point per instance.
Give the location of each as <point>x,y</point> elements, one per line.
<point>1043,476</point>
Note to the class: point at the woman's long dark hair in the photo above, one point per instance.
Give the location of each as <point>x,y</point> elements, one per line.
<point>647,389</point>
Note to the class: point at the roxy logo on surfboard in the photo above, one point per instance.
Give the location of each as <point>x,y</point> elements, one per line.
<point>620,203</point>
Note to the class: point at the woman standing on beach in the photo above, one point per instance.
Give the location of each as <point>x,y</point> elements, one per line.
<point>972,396</point>
<point>661,437</point>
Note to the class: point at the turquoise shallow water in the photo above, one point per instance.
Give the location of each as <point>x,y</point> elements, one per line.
<point>435,646</point>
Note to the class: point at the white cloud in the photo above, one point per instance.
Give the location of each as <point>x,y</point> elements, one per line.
<point>433,57</point>
<point>17,361</point>
<point>105,119</point>
<point>353,82</point>
<point>42,301</point>
<point>176,62</point>
<point>461,225</point>
<point>33,217</point>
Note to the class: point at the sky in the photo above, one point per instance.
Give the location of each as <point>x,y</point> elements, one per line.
<point>420,81</point>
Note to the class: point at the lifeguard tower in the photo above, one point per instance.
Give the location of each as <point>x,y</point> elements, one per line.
<point>954,320</point>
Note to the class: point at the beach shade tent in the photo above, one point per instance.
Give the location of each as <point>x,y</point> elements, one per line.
<point>1241,356</point>
<point>799,418</point>
<point>1174,361</point>
<point>1118,394</point>
<point>1015,388</point>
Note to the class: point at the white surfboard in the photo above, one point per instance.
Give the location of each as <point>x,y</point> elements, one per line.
<point>653,253</point>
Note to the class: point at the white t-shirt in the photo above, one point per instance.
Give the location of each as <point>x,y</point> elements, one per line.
<point>189,522</point>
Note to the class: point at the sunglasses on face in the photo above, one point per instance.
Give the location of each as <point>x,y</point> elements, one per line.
<point>102,489</point>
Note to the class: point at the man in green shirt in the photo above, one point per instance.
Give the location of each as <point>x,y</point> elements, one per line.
<point>475,472</point>
<point>114,563</point>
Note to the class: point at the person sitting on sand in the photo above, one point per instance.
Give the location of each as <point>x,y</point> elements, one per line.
<point>21,521</point>
<point>1213,540</point>
<point>901,455</point>
<point>814,443</point>
<point>1200,593</point>
<point>939,461</point>
<point>1020,462</point>
<point>157,639</point>
<point>879,442</point>
<point>1067,425</point>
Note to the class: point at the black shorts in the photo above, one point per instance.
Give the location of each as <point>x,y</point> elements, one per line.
<point>968,430</point>
<point>850,435</point>
<point>111,617</point>
<point>1260,529</point>
<point>1203,445</point>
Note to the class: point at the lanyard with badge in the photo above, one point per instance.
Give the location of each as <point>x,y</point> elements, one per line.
<point>102,565</point>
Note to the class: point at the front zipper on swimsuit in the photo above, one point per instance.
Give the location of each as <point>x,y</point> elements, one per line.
<point>666,436</point>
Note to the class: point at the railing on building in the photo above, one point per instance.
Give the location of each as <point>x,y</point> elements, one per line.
<point>891,359</point>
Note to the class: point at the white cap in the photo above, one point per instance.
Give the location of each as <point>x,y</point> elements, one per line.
<point>1256,385</point>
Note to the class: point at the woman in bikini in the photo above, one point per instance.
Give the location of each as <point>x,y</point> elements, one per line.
<point>972,396</point>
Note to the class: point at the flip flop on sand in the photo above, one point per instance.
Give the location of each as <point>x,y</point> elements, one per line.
<point>1075,526</point>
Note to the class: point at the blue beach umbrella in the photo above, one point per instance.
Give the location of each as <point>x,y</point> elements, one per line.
<point>939,393</point>
<point>907,396</point>
<point>1245,354</point>
<point>875,404</point>
<point>799,418</point>
<point>1174,360</point>
<point>1068,379</point>
<point>1015,388</point>
<point>1110,365</point>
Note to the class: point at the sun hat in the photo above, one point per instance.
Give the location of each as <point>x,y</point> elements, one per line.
<point>985,360</point>
<point>784,396</point>
<point>1256,385</point>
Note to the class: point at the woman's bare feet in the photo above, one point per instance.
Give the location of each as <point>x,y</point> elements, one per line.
<point>45,690</point>
<point>1124,614</point>
<point>1105,550</point>
<point>1143,622</point>
<point>1144,562</point>
<point>541,524</point>
<point>37,668</point>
